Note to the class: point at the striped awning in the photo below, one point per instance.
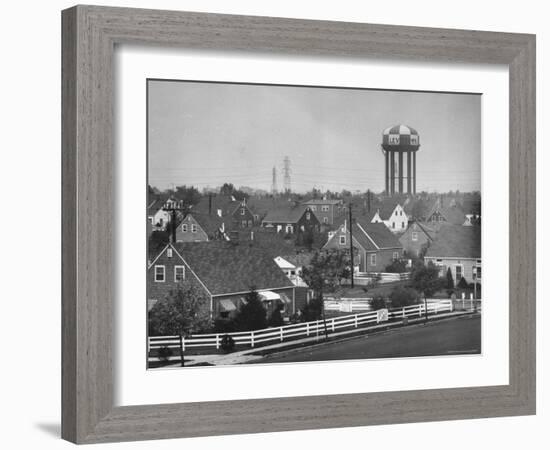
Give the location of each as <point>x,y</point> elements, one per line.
<point>227,305</point>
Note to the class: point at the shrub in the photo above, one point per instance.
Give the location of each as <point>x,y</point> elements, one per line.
<point>276,319</point>
<point>397,266</point>
<point>450,280</point>
<point>227,343</point>
<point>377,302</point>
<point>252,315</point>
<point>312,311</point>
<point>462,284</point>
<point>401,296</point>
<point>224,326</point>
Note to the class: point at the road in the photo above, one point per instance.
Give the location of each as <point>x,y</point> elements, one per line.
<point>446,337</point>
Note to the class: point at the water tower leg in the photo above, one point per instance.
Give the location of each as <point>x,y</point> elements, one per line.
<point>409,173</point>
<point>400,172</point>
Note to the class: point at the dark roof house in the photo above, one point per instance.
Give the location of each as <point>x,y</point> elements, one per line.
<point>456,241</point>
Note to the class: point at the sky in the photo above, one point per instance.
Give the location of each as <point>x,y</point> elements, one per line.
<point>205,134</point>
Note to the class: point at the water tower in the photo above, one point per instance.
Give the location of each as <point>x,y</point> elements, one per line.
<point>400,140</point>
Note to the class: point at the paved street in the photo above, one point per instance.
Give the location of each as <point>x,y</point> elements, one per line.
<point>447,337</point>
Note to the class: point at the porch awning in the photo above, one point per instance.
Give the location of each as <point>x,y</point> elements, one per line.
<point>267,296</point>
<point>227,305</point>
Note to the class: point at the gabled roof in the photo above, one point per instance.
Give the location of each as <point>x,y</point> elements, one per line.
<point>387,208</point>
<point>210,223</point>
<point>261,205</point>
<point>226,268</point>
<point>373,236</point>
<point>226,203</point>
<point>285,214</point>
<point>456,241</point>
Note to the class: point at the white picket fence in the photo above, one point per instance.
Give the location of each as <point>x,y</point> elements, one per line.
<point>299,330</point>
<point>347,305</point>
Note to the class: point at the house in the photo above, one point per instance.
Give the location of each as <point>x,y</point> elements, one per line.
<point>416,238</point>
<point>326,210</point>
<point>224,272</point>
<point>197,227</point>
<point>376,246</point>
<point>292,219</point>
<point>458,248</point>
<point>449,214</point>
<point>157,216</point>
<point>260,206</point>
<point>392,214</point>
<point>235,213</point>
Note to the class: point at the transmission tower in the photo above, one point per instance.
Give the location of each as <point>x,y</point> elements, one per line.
<point>286,174</point>
<point>274,181</point>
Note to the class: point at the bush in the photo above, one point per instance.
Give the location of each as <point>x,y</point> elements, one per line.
<point>165,353</point>
<point>377,303</point>
<point>252,315</point>
<point>400,297</point>
<point>450,280</point>
<point>312,311</point>
<point>276,319</point>
<point>224,326</point>
<point>227,343</point>
<point>462,284</point>
<point>397,266</point>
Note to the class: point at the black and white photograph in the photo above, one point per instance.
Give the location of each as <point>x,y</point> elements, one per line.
<point>296,224</point>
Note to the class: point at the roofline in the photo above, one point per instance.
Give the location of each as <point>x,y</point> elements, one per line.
<point>347,232</point>
<point>192,271</point>
<point>366,234</point>
<point>158,256</point>
<point>256,290</point>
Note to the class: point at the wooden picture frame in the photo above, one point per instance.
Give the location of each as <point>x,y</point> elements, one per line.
<point>89,37</point>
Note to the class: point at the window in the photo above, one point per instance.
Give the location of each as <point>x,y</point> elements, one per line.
<point>325,208</point>
<point>458,273</point>
<point>179,273</point>
<point>152,220</point>
<point>242,211</point>
<point>342,240</point>
<point>313,208</point>
<point>478,273</point>
<point>393,225</point>
<point>160,274</point>
<point>193,228</point>
<point>308,216</point>
<point>414,235</point>
<point>325,219</point>
<point>402,224</point>
<point>243,223</point>
<point>395,255</point>
<point>373,259</point>
<point>184,228</point>
<point>169,253</point>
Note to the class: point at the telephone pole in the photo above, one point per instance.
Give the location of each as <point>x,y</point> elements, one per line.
<point>173,208</point>
<point>351,244</point>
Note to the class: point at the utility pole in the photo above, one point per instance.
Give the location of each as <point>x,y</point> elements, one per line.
<point>351,244</point>
<point>173,210</point>
<point>274,181</point>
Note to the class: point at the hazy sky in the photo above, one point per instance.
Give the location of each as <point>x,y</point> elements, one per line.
<point>204,134</point>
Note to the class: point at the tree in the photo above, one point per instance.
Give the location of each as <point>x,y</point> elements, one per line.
<point>276,319</point>
<point>158,240</point>
<point>377,303</point>
<point>324,272</point>
<point>396,266</point>
<point>450,280</point>
<point>189,195</point>
<point>426,280</point>
<point>251,315</point>
<point>184,311</point>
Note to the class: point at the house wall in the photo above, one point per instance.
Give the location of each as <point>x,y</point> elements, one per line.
<point>334,244</point>
<point>414,247</point>
<point>157,290</point>
<point>188,236</point>
<point>243,220</point>
<point>467,265</point>
<point>308,224</point>
<point>384,258</point>
<point>326,217</point>
<point>160,219</point>
<point>398,221</point>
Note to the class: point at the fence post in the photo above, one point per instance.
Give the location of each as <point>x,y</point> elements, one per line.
<point>281,333</point>
<point>420,310</point>
<point>356,325</point>
<point>333,325</point>
<point>252,338</point>
<point>183,343</point>
<point>217,341</point>
<point>307,328</point>
<point>403,315</point>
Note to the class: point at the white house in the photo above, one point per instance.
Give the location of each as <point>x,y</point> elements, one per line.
<point>393,216</point>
